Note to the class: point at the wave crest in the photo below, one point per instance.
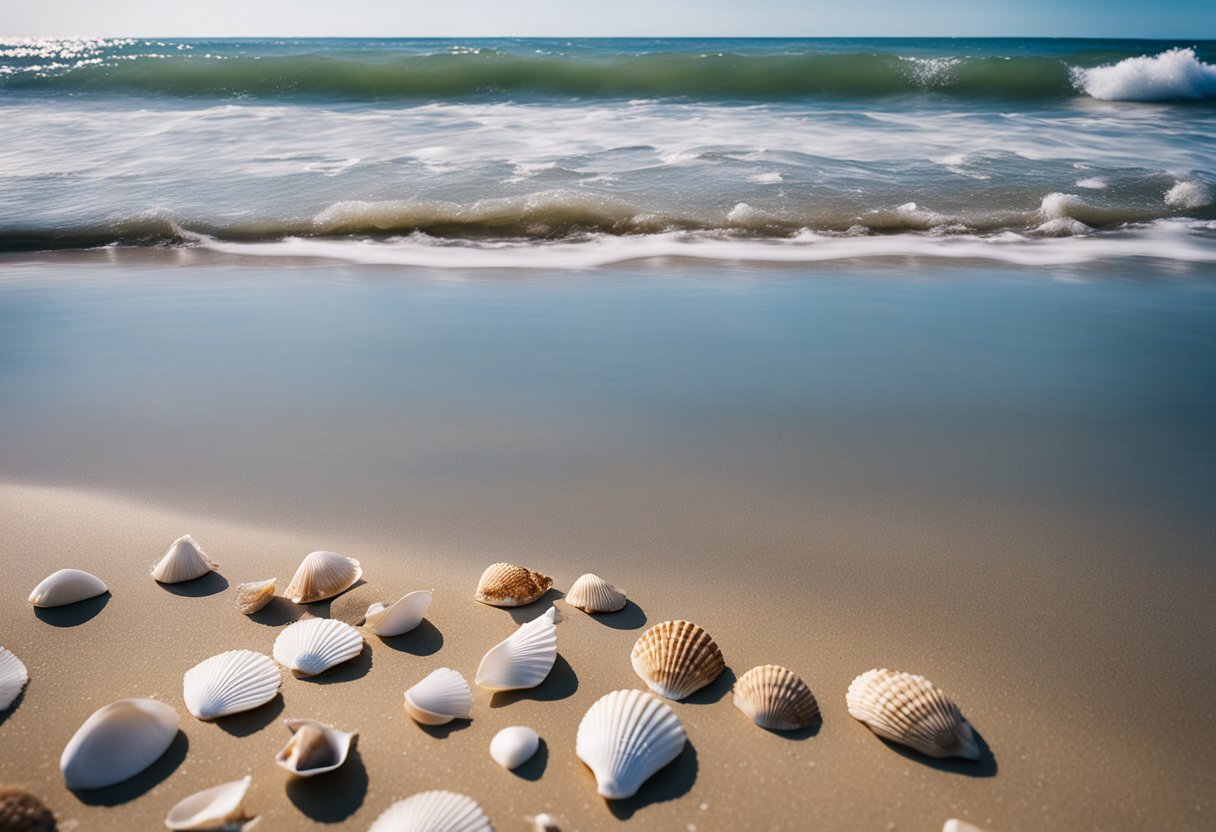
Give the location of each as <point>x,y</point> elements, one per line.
<point>1173,75</point>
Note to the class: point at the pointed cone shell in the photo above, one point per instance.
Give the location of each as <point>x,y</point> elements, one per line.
<point>910,710</point>
<point>251,597</point>
<point>13,677</point>
<point>514,746</point>
<point>442,696</point>
<point>591,593</point>
<point>67,586</point>
<point>20,811</point>
<point>626,737</point>
<point>239,680</point>
<point>433,812</point>
<point>314,645</point>
<point>314,747</point>
<point>184,561</point>
<point>677,658</point>
<point>524,659</point>
<point>214,808</point>
<point>399,618</point>
<point>776,698</point>
<point>323,575</point>
<point>117,742</point>
<point>508,585</point>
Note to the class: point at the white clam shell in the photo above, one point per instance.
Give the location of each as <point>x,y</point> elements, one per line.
<point>514,746</point>
<point>509,585</point>
<point>402,616</point>
<point>67,586</point>
<point>252,596</point>
<point>13,677</point>
<point>437,811</point>
<point>776,698</point>
<point>676,659</point>
<point>314,645</point>
<point>439,698</point>
<point>314,747</point>
<point>184,561</point>
<point>625,737</point>
<point>322,575</point>
<point>235,681</point>
<point>524,659</point>
<point>219,807</point>
<point>117,742</point>
<point>591,593</point>
<point>911,710</point>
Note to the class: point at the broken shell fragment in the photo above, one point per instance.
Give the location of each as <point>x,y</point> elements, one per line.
<point>117,742</point>
<point>776,698</point>
<point>522,660</point>
<point>235,681</point>
<point>67,586</point>
<point>911,710</point>
<point>514,746</point>
<point>314,645</point>
<point>322,575</point>
<point>439,698</point>
<point>625,737</point>
<point>13,677</point>
<point>400,617</point>
<point>677,658</point>
<point>956,825</point>
<point>217,808</point>
<point>184,561</point>
<point>508,585</point>
<point>251,597</point>
<point>314,747</point>
<point>591,593</point>
<point>437,811</point>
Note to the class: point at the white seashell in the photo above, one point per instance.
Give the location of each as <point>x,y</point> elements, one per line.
<point>117,742</point>
<point>399,618</point>
<point>545,822</point>
<point>323,575</point>
<point>508,585</point>
<point>677,658</point>
<point>67,586</point>
<point>235,681</point>
<point>442,696</point>
<point>776,698</point>
<point>251,597</point>
<point>524,659</point>
<point>219,807</point>
<point>437,811</point>
<point>625,737</point>
<point>591,593</point>
<point>314,645</point>
<point>911,710</point>
<point>314,747</point>
<point>514,746</point>
<point>956,825</point>
<point>13,677</point>
<point>184,561</point>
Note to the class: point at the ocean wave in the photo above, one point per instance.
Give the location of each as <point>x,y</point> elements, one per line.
<point>1173,75</point>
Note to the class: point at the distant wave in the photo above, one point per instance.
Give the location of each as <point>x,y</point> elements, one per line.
<point>1174,75</point>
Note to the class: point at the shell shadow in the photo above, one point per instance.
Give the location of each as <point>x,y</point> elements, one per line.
<point>534,766</point>
<point>669,783</point>
<point>423,640</point>
<point>714,691</point>
<point>141,783</point>
<point>628,617</point>
<point>561,682</point>
<point>278,612</point>
<point>12,706</point>
<point>348,671</point>
<point>212,583</point>
<point>73,615</point>
<point>440,732</point>
<point>985,766</point>
<point>250,722</point>
<point>334,796</point>
<point>797,734</point>
<point>529,612</point>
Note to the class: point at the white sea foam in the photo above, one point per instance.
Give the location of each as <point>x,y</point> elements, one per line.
<point>771,177</point>
<point>1189,193</point>
<point>1093,183</point>
<point>1173,75</point>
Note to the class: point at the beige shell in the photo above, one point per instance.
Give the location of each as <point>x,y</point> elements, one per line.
<point>184,561</point>
<point>677,658</point>
<point>323,575</point>
<point>253,596</point>
<point>443,695</point>
<point>314,747</point>
<point>910,710</point>
<point>508,585</point>
<point>217,808</point>
<point>591,593</point>
<point>20,811</point>
<point>776,698</point>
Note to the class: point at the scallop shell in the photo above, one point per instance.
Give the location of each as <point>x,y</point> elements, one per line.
<point>314,645</point>
<point>956,825</point>
<point>67,586</point>
<point>437,811</point>
<point>239,680</point>
<point>251,597</point>
<point>184,561</point>
<point>442,696</point>
<point>514,746</point>
<point>402,616</point>
<point>591,593</point>
<point>117,742</point>
<point>314,747</point>
<point>625,737</point>
<point>910,710</point>
<point>216,808</point>
<point>524,659</point>
<point>677,658</point>
<point>13,677</point>
<point>776,698</point>
<point>20,811</point>
<point>508,585</point>
<point>323,575</point>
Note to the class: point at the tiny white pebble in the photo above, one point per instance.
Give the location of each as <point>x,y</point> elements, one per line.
<point>704,807</point>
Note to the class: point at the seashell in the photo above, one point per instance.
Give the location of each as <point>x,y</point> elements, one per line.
<point>235,681</point>
<point>20,811</point>
<point>524,659</point>
<point>314,747</point>
<point>776,698</point>
<point>956,825</point>
<point>910,710</point>
<point>545,822</point>
<point>508,585</point>
<point>218,807</point>
<point>442,696</point>
<point>314,645</point>
<point>13,677</point>
<point>67,586</point>
<point>625,737</point>
<point>514,746</point>
<point>437,811</point>
<point>117,742</point>
<point>322,575</point>
<point>253,596</point>
<point>401,617</point>
<point>184,561</point>
<point>591,593</point>
<point>677,658</point>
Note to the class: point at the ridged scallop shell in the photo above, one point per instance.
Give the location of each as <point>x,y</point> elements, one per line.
<point>677,658</point>
<point>219,807</point>
<point>13,677</point>
<point>625,737</point>
<point>437,811</point>
<point>439,698</point>
<point>235,681</point>
<point>514,746</point>
<point>399,618</point>
<point>522,660</point>
<point>252,596</point>
<point>776,698</point>
<point>314,747</point>
<point>591,593</point>
<point>20,811</point>
<point>508,585</point>
<point>184,561</point>
<point>314,645</point>
<point>117,742</point>
<point>911,710</point>
<point>67,586</point>
<point>322,575</point>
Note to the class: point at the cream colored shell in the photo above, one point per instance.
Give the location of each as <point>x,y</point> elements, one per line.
<point>13,677</point>
<point>322,575</point>
<point>184,561</point>
<point>591,593</point>
<point>314,645</point>
<point>235,681</point>
<point>911,710</point>
<point>676,659</point>
<point>251,597</point>
<point>508,585</point>
<point>217,808</point>
<point>776,698</point>
<point>314,747</point>
<point>400,617</point>
<point>625,737</point>
<point>117,742</point>
<point>437,811</point>
<point>443,695</point>
<point>67,586</point>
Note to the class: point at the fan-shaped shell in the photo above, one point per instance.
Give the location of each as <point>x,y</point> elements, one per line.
<point>314,645</point>
<point>13,677</point>
<point>508,585</point>
<point>625,737</point>
<point>252,596</point>
<point>322,575</point>
<point>524,659</point>
<point>20,811</point>
<point>400,617</point>
<point>314,747</point>
<point>439,698</point>
<point>235,681</point>
<point>219,807</point>
<point>776,698</point>
<point>437,811</point>
<point>67,586</point>
<point>591,593</point>
<point>911,710</point>
<point>677,658</point>
<point>184,561</point>
<point>117,742</point>
<point>514,746</point>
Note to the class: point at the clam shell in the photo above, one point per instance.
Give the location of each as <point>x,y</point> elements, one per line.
<point>524,659</point>
<point>625,737</point>
<point>218,807</point>
<point>314,747</point>
<point>591,593</point>
<point>235,681</point>
<point>514,746</point>
<point>184,561</point>
<point>314,645</point>
<point>508,585</point>
<point>956,825</point>
<point>251,597</point>
<point>776,698</point>
<point>117,742</point>
<point>912,711</point>
<point>439,698</point>
<point>437,811</point>
<point>13,677</point>
<point>20,811</point>
<point>402,616</point>
<point>322,575</point>
<point>67,586</point>
<point>677,658</point>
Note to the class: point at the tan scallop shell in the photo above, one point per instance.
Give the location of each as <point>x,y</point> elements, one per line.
<point>322,575</point>
<point>591,593</point>
<point>911,710</point>
<point>776,698</point>
<point>677,658</point>
<point>251,597</point>
<point>508,585</point>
